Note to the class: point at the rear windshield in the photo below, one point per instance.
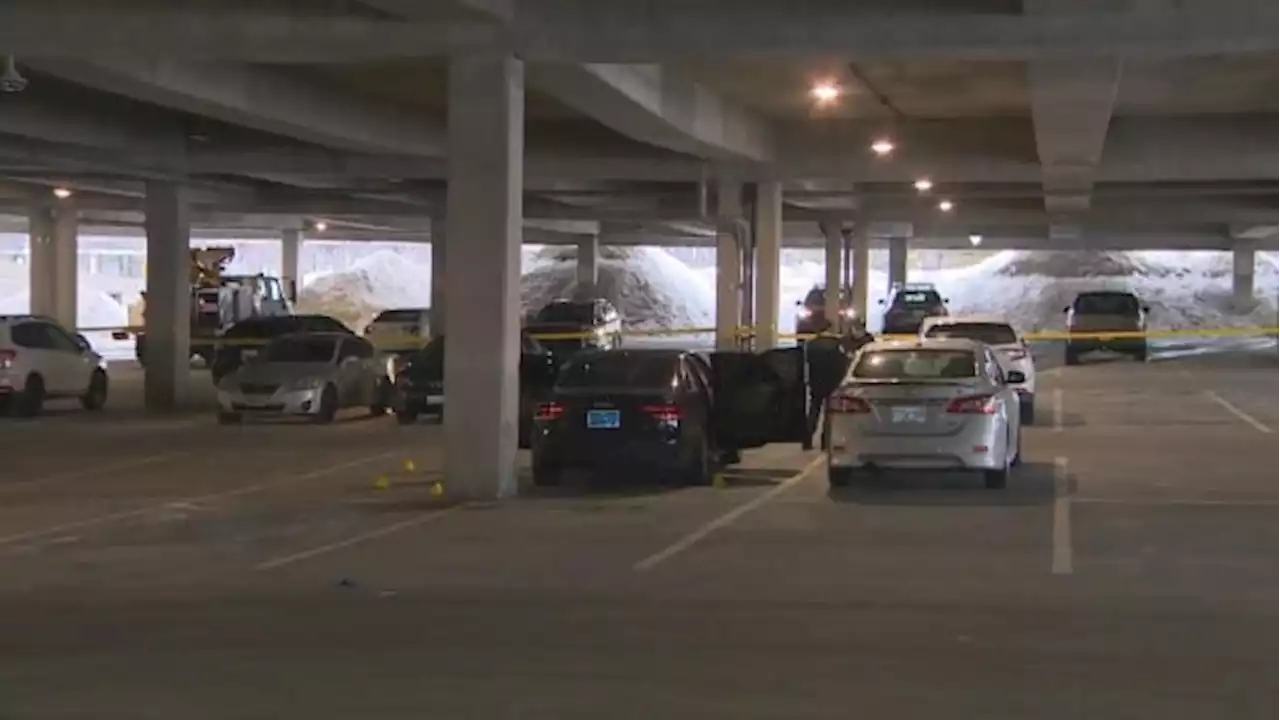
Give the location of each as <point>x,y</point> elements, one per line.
<point>619,369</point>
<point>989,333</point>
<point>399,316</point>
<point>567,313</point>
<point>321,323</point>
<point>917,297</point>
<point>1106,304</point>
<point>271,327</point>
<point>301,350</point>
<point>915,364</point>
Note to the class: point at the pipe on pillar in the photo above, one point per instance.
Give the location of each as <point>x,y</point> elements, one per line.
<point>831,291</point>
<point>290,250</point>
<point>54,262</point>
<point>728,263</point>
<point>1242,279</point>
<point>484,218</point>
<point>897,262</point>
<point>439,245</point>
<point>588,263</point>
<point>168,315</point>
<point>768,275</point>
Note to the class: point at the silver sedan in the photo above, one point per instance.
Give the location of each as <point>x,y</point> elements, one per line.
<point>925,405</point>
<point>307,374</point>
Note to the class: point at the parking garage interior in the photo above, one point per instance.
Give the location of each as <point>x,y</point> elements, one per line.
<point>154,563</point>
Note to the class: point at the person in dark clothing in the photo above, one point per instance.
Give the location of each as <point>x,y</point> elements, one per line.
<point>827,363</point>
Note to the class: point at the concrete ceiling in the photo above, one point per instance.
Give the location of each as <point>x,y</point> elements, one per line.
<point>1049,118</point>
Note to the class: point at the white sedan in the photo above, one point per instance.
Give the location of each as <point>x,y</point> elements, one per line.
<point>1011,349</point>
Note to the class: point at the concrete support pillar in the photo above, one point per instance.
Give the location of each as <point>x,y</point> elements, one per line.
<point>290,248</point>
<point>54,262</point>
<point>834,243</point>
<point>588,261</point>
<point>860,284</point>
<point>728,265</point>
<point>897,262</point>
<point>439,245</point>
<point>768,275</point>
<point>1242,279</point>
<point>484,218</point>
<point>168,313</point>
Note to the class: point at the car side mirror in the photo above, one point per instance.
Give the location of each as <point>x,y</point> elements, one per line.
<point>291,290</point>
<point>946,301</point>
<point>1014,377</point>
<point>1066,309</point>
<point>1146,308</point>
<point>83,343</point>
<point>880,301</point>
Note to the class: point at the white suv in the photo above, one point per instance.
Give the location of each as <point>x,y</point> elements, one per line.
<point>1011,349</point>
<point>39,360</point>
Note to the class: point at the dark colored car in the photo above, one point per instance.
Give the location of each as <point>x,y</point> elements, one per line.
<point>419,382</point>
<point>566,327</point>
<point>247,336</point>
<point>668,412</point>
<point>811,313</point>
<point>910,305</point>
<point>1093,314</point>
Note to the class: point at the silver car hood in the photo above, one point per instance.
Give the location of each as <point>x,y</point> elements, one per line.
<point>281,373</point>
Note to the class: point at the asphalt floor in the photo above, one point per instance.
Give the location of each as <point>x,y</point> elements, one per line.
<point>168,567</point>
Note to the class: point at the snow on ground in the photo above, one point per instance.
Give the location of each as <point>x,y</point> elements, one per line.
<point>95,308</point>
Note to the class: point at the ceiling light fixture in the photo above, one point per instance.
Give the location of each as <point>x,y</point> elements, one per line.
<point>882,147</point>
<point>320,226</point>
<point>824,93</point>
<point>975,239</point>
<point>62,193</point>
<point>946,206</point>
<point>924,185</point>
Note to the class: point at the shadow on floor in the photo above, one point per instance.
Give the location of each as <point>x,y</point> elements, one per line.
<point>1030,484</point>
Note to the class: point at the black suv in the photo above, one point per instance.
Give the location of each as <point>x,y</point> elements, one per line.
<point>1093,314</point>
<point>910,305</point>
<point>247,336</point>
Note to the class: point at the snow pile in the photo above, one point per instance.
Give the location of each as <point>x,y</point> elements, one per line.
<point>376,282</point>
<point>650,288</point>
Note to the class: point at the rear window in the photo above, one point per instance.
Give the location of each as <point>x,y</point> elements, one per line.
<point>321,323</point>
<point>301,350</point>
<point>1106,304</point>
<point>989,333</point>
<point>567,313</point>
<point>915,364</point>
<point>619,369</point>
<point>260,328</point>
<point>915,297</point>
<point>399,316</point>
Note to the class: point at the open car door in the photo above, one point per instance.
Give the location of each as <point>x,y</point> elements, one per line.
<point>759,398</point>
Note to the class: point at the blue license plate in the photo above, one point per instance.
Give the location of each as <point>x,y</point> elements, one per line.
<point>603,419</point>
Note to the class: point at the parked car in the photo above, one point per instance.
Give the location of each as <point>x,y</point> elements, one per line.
<point>1011,349</point>
<point>306,374</point>
<point>566,327</point>
<point>41,360</point>
<point>400,329</point>
<point>811,312</point>
<point>246,338</point>
<point>1093,314</point>
<point>910,305</point>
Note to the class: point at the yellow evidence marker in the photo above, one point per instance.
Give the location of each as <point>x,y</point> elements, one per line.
<point>381,483</point>
<point>437,489</point>
<point>410,466</point>
<point>718,482</point>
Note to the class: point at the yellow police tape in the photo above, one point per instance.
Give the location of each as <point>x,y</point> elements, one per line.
<point>408,342</point>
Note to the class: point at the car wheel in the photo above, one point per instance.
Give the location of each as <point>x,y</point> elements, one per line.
<point>698,470</point>
<point>998,478</point>
<point>838,477</point>
<point>96,395</point>
<point>1072,357</point>
<point>228,418</point>
<point>406,416</point>
<point>30,401</point>
<point>1140,355</point>
<point>328,406</point>
<point>1027,410</point>
<point>545,474</point>
<point>1017,451</point>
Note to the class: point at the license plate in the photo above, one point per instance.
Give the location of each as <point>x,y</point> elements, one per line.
<point>259,401</point>
<point>603,419</point>
<point>908,414</point>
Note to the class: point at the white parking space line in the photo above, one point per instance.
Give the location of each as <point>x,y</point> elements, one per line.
<point>1175,502</point>
<point>414,521</point>
<point>22,484</point>
<point>1231,408</point>
<point>1063,561</point>
<point>194,499</point>
<point>1057,410</point>
<point>725,520</point>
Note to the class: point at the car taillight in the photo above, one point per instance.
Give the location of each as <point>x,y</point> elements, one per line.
<point>664,412</point>
<point>549,411</point>
<point>973,405</point>
<point>840,403</point>
<point>7,358</point>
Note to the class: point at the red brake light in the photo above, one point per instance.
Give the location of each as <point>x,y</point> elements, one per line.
<point>839,403</point>
<point>664,412</point>
<point>6,358</point>
<point>973,405</point>
<point>549,411</point>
